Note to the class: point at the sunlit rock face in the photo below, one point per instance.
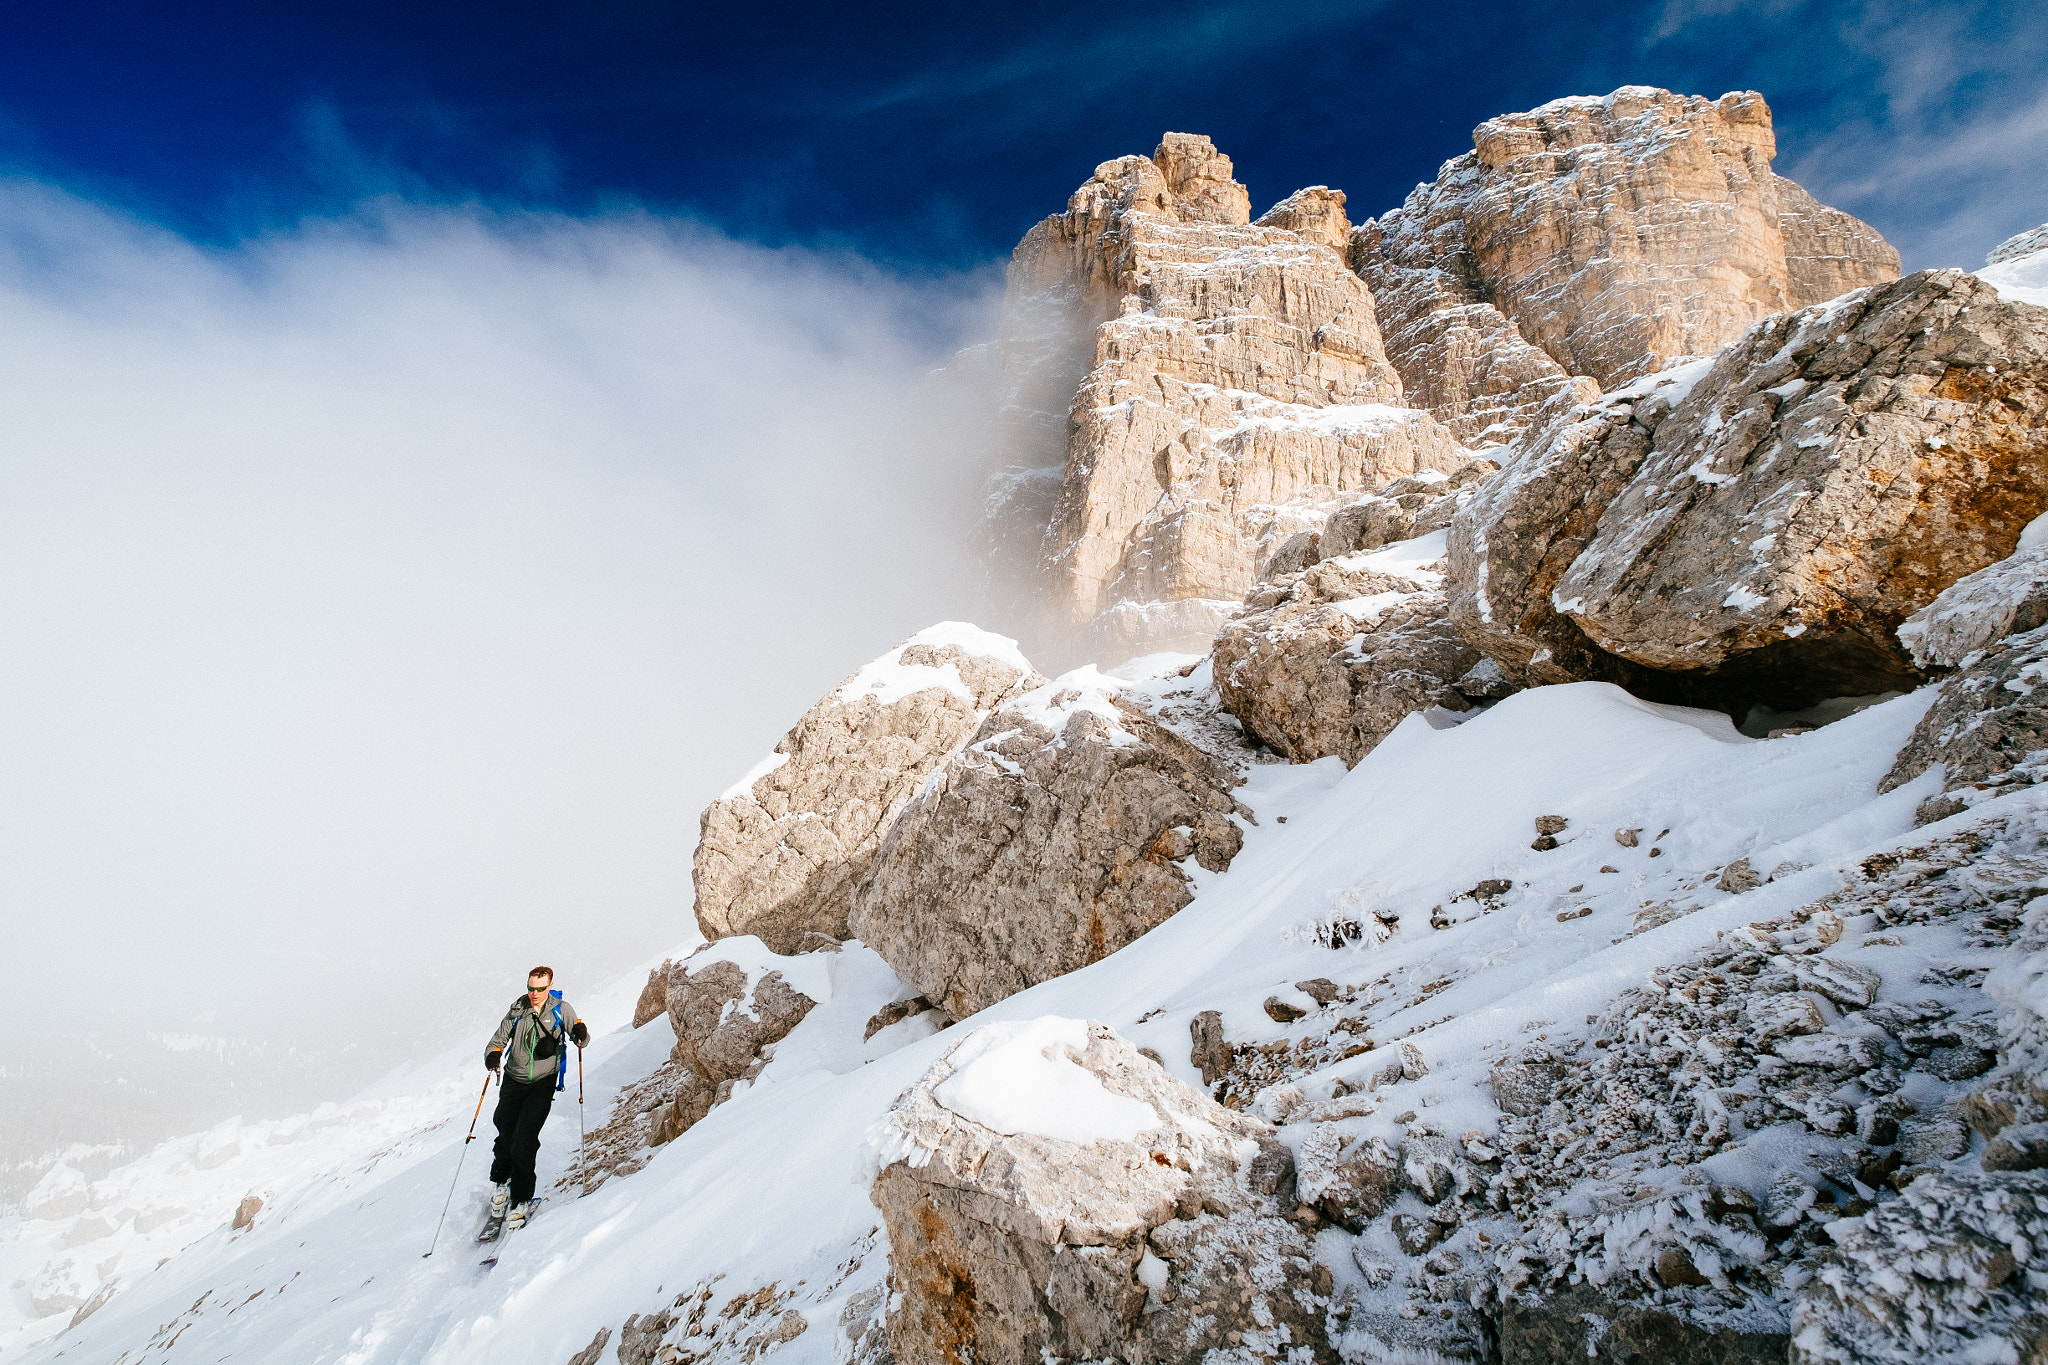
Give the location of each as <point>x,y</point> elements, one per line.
<point>1601,237</point>
<point>1235,391</point>
<point>1765,523</point>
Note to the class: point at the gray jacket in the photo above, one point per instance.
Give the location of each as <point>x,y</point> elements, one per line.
<point>536,1038</point>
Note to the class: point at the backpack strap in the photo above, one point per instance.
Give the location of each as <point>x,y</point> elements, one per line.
<point>562,1053</point>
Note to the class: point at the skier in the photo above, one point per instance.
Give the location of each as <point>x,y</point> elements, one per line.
<point>529,1044</point>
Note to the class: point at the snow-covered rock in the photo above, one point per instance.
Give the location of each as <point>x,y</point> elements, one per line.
<point>1049,1193</point>
<point>1616,234</point>
<point>1062,832</point>
<point>1986,729</point>
<point>1762,525</point>
<point>780,854</point>
<point>2018,267</point>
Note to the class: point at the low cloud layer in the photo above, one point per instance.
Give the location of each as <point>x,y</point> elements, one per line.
<point>380,601</point>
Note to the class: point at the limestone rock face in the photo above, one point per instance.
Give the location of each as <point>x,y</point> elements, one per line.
<point>781,853</point>
<point>1135,1219</point>
<point>724,1015</point>
<point>1980,609</point>
<point>1236,390</point>
<point>1612,235</point>
<point>1050,841</point>
<point>1340,656</point>
<point>1763,524</point>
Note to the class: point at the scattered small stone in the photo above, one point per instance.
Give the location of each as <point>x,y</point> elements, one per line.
<point>1212,1053</point>
<point>1626,837</point>
<point>1152,1054</point>
<point>1551,824</point>
<point>1416,1235</point>
<point>1320,989</point>
<point>1574,890</point>
<point>1676,1269</point>
<point>1564,916</point>
<point>1280,1012</point>
<point>246,1211</point>
<point>895,1013</point>
<point>1736,878</point>
<point>1544,844</point>
<point>1656,853</point>
<point>1605,868</point>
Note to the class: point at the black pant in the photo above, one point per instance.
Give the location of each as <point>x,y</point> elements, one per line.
<point>522,1108</point>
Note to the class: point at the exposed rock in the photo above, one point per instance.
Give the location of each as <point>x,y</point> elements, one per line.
<point>1320,989</point>
<point>1947,1271</point>
<point>1980,609</point>
<point>1280,1012</point>
<point>1987,727</point>
<point>1338,656</point>
<point>1351,1182</point>
<point>592,1353</point>
<point>894,1013</point>
<point>1120,1220</point>
<point>1053,839</point>
<point>724,1016</point>
<point>1582,1324</point>
<point>245,1213</point>
<point>782,852</point>
<point>1738,877</point>
<point>1211,1052</point>
<point>653,1001</point>
<point>1760,527</point>
<point>1616,234</point>
<point>2019,267</point>
<point>1236,392</point>
<point>2022,1147</point>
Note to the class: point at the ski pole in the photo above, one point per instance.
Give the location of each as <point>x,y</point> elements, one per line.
<point>458,1168</point>
<point>579,1096</point>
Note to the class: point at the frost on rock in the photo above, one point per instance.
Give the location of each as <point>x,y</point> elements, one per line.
<point>1036,1239</point>
<point>781,854</point>
<point>1062,832</point>
<point>1675,1181</point>
<point>1949,1271</point>
<point>1759,527</point>
<point>1988,728</point>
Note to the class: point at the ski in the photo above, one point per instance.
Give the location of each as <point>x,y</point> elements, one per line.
<point>494,1225</point>
<point>497,1234</point>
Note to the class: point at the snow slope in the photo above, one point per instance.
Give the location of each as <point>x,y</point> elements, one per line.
<point>770,1191</point>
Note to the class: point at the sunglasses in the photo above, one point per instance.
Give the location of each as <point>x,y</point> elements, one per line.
<point>536,990</point>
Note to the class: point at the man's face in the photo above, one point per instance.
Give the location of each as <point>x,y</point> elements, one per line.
<point>537,990</point>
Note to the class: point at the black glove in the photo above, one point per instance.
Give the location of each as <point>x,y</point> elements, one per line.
<point>491,1060</point>
<point>578,1034</point>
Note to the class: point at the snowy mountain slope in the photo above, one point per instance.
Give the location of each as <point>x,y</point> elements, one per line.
<point>769,1193</point>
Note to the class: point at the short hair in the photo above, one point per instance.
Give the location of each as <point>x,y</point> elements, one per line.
<point>548,972</point>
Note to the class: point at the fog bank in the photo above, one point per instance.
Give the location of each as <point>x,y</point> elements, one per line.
<point>380,601</point>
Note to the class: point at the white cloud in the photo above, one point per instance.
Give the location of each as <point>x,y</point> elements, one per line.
<point>381,600</point>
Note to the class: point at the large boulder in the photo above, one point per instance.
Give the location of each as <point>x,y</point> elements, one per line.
<point>728,1006</point>
<point>1330,660</point>
<point>1978,610</point>
<point>1051,840</point>
<point>1050,1193</point>
<point>1237,389</point>
<point>1610,235</point>
<point>782,851</point>
<point>1759,528</point>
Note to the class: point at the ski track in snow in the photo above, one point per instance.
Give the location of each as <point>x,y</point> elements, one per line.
<point>772,1186</point>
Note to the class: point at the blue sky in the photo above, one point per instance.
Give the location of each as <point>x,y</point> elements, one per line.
<point>933,135</point>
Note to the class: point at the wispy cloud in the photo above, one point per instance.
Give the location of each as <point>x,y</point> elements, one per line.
<point>1929,120</point>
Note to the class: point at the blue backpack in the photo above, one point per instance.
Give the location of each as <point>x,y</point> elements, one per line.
<point>562,1046</point>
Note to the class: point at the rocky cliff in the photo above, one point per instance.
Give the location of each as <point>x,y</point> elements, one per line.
<point>1598,237</point>
<point>1237,389</point>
